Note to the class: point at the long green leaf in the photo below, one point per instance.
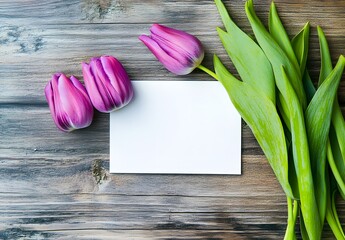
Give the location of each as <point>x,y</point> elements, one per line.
<point>290,233</point>
<point>331,156</point>
<point>319,108</point>
<point>249,59</point>
<point>336,155</point>
<point>276,55</point>
<point>308,86</point>
<point>337,116</point>
<point>303,229</point>
<point>279,34</point>
<point>254,107</point>
<point>302,159</point>
<point>332,215</point>
<point>339,125</point>
<point>300,45</point>
<point>326,61</point>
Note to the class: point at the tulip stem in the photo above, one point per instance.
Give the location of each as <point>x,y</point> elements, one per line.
<point>208,71</point>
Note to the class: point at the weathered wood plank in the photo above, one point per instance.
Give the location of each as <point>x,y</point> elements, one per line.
<point>57,191</point>
<point>72,175</point>
<point>31,148</point>
<point>62,214</point>
<point>29,131</point>
<point>56,185</point>
<point>164,11</point>
<point>100,234</point>
<point>28,46</point>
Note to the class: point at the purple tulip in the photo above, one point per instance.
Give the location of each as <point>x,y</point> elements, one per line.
<point>107,83</point>
<point>178,51</point>
<point>69,103</point>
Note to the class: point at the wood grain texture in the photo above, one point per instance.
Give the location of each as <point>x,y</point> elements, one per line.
<point>57,186</point>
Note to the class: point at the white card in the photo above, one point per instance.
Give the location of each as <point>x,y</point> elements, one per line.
<point>176,127</point>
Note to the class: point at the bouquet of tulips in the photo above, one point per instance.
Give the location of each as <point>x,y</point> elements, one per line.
<point>300,128</point>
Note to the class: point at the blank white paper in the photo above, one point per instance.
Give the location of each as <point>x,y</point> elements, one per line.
<point>176,127</point>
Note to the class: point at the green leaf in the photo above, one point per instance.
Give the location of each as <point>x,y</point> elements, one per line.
<point>318,119</point>
<point>308,86</point>
<point>326,61</point>
<point>254,107</point>
<point>300,45</point>
<point>290,233</point>
<point>279,34</point>
<point>335,159</point>
<point>276,55</point>
<point>303,229</point>
<point>331,214</point>
<point>333,154</point>
<point>336,155</point>
<point>339,134</point>
<point>248,58</point>
<point>302,159</point>
<point>337,116</point>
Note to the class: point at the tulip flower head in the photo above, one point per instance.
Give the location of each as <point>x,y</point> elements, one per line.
<point>107,83</point>
<point>69,104</point>
<point>177,50</point>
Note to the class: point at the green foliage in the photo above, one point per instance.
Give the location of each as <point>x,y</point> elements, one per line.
<point>298,126</point>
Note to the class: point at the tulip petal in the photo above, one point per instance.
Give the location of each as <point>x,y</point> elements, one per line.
<point>67,95</point>
<point>110,97</point>
<point>107,83</point>
<point>87,108</point>
<point>69,104</point>
<point>174,51</point>
<point>168,61</point>
<point>113,96</point>
<point>60,118</point>
<point>50,97</point>
<point>92,87</point>
<point>103,83</point>
<point>79,86</point>
<point>49,93</point>
<point>73,102</point>
<point>178,51</point>
<point>185,42</point>
<point>109,66</point>
<point>118,77</point>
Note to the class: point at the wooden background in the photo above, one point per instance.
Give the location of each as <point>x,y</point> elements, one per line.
<point>57,186</point>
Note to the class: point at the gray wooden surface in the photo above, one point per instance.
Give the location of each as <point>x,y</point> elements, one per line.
<point>57,186</point>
